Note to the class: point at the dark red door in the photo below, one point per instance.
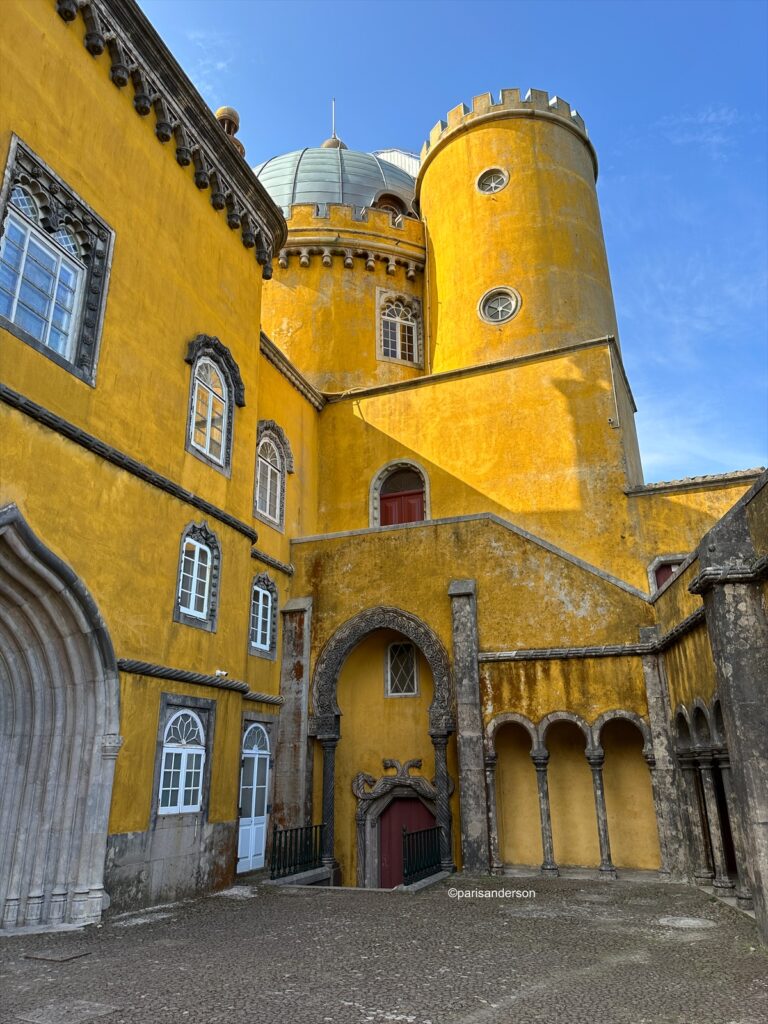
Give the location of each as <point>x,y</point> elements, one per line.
<point>409,813</point>
<point>403,507</point>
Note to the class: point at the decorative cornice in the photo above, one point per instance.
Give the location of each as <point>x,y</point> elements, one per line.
<point>159,84</point>
<point>692,483</point>
<point>394,256</point>
<point>284,366</point>
<point>689,623</point>
<point>275,563</point>
<point>120,459</point>
<point>206,345</point>
<point>263,698</point>
<point>734,572</point>
<point>179,675</point>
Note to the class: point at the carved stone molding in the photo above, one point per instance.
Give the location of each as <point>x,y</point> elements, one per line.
<point>207,345</point>
<point>139,56</point>
<point>350,634</point>
<point>347,253</point>
<point>365,787</point>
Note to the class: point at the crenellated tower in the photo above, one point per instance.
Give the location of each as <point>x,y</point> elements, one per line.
<point>515,248</point>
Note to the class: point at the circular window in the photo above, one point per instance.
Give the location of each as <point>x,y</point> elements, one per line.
<point>492,180</point>
<point>499,305</point>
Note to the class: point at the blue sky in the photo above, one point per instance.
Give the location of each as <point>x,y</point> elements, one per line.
<point>675,97</point>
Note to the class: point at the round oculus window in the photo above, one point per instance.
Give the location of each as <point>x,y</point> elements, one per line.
<point>492,180</point>
<point>499,305</point>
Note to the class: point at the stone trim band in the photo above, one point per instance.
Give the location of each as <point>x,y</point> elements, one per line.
<point>117,458</point>
<point>274,563</point>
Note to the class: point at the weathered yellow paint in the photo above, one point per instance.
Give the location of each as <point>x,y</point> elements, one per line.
<point>690,669</point>
<point>629,798</point>
<point>517,805</point>
<point>571,798</point>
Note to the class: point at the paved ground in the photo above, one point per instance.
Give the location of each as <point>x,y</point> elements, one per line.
<point>580,952</point>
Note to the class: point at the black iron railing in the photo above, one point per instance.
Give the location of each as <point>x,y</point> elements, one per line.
<point>421,853</point>
<point>295,850</point>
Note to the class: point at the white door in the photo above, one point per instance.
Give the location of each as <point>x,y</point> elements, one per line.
<point>254,777</point>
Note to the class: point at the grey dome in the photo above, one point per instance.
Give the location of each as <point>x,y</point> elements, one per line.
<point>336,175</point>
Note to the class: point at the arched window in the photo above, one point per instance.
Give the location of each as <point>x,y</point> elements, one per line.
<point>262,628</point>
<point>273,461</point>
<point>399,494</point>
<point>209,411</point>
<point>399,327</point>
<point>198,578</point>
<point>183,759</point>
<point>41,276</point>
<point>269,481</point>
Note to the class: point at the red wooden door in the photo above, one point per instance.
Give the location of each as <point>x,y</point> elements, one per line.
<point>403,507</point>
<point>409,813</point>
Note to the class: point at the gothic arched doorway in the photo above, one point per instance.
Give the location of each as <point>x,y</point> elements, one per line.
<point>59,700</point>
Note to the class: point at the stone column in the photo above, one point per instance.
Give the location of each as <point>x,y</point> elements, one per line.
<point>596,759</point>
<point>540,760</point>
<point>291,802</point>
<point>729,581</point>
<point>665,778</point>
<point>721,879</point>
<point>469,727</point>
<point>697,834</point>
<point>328,744</point>
<point>743,888</point>
<point>442,800</point>
<point>493,828</point>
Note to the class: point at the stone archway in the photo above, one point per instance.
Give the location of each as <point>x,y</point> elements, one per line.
<point>59,704</point>
<point>326,725</point>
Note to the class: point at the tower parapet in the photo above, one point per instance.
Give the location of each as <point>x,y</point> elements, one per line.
<point>535,103</point>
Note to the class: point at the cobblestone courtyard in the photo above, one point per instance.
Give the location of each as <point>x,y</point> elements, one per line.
<point>580,952</point>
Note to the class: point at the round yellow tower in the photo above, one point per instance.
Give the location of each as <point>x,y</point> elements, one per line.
<point>515,249</point>
<point>345,301</point>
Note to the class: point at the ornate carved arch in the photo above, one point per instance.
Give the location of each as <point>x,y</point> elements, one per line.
<point>206,345</point>
<point>374,496</point>
<point>348,636</point>
<point>59,694</point>
<point>700,739</point>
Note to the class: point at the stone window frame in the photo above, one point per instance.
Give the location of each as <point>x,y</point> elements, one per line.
<point>60,206</point>
<point>657,563</point>
<point>405,642</point>
<point>384,296</point>
<point>201,533</point>
<point>269,430</point>
<point>264,582</point>
<point>207,347</point>
<point>205,710</point>
<point>374,494</point>
<point>492,170</point>
<point>184,749</point>
<point>489,293</point>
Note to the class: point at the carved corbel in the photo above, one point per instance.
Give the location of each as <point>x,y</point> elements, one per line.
<point>233,212</point>
<point>349,260</point>
<point>218,192</point>
<point>262,252</point>
<point>118,72</point>
<point>94,36</point>
<point>266,271</point>
<point>370,261</point>
<point>410,271</point>
<point>327,258</point>
<point>202,176</point>
<point>141,99</point>
<point>163,128</point>
<point>304,258</point>
<point>282,259</point>
<point>183,150</point>
<point>249,235</point>
<point>67,9</point>
<point>391,265</point>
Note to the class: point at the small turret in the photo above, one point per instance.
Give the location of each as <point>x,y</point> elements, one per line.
<point>229,119</point>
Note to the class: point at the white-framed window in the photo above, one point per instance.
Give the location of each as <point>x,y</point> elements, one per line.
<point>195,578</point>
<point>402,679</point>
<point>198,581</point>
<point>261,618</point>
<point>491,181</point>
<point>181,765</point>
<point>499,305</point>
<point>209,421</point>
<point>269,480</point>
<point>262,621</point>
<point>41,276</point>
<point>399,338</point>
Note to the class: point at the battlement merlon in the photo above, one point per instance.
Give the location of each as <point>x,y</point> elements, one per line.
<point>535,103</point>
